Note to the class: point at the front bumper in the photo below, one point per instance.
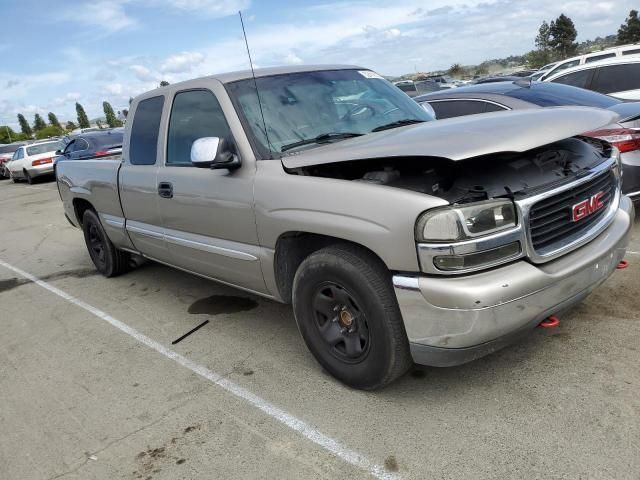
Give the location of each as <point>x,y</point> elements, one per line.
<point>453,320</point>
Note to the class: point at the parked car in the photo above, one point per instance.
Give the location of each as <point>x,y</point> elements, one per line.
<point>608,53</point>
<point>32,161</point>
<point>397,239</point>
<point>104,143</point>
<point>505,96</point>
<point>444,81</point>
<point>618,77</point>
<point>6,153</point>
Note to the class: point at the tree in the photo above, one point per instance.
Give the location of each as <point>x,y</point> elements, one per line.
<point>543,40</point>
<point>7,135</point>
<point>563,34</point>
<point>24,125</point>
<point>538,58</point>
<point>53,120</point>
<point>49,131</point>
<point>629,31</point>
<point>38,122</point>
<point>70,125</point>
<point>125,112</point>
<point>110,116</point>
<point>164,83</point>
<point>83,120</point>
<point>456,70</point>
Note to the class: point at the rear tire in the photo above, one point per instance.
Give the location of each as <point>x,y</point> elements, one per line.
<point>28,177</point>
<point>108,260</point>
<point>348,316</point>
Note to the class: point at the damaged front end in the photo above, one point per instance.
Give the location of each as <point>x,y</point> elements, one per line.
<point>502,206</point>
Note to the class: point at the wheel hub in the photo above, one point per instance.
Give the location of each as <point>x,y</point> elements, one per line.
<point>345,318</point>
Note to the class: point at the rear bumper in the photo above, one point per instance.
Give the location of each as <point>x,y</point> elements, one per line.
<point>450,321</point>
<point>46,169</point>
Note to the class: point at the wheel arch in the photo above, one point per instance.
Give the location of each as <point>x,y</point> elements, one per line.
<point>293,247</point>
<point>80,205</point>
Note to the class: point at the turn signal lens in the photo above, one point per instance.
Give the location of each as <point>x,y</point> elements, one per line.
<point>478,259</point>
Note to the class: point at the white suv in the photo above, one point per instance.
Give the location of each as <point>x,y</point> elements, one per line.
<point>31,161</point>
<point>621,51</point>
<point>618,77</point>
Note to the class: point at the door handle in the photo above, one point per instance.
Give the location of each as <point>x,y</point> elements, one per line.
<point>165,189</point>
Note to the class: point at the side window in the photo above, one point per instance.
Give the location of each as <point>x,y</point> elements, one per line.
<point>577,79</point>
<point>618,78</point>
<point>635,51</point>
<point>70,147</point>
<point>595,58</point>
<point>143,147</point>
<point>564,66</point>
<point>79,145</point>
<point>18,154</point>
<point>195,114</point>
<point>457,108</point>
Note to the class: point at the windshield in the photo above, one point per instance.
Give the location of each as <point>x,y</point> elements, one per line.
<point>43,148</point>
<point>304,106</point>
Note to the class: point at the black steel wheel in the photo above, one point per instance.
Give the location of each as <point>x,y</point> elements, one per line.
<point>107,259</point>
<point>348,316</point>
<point>341,322</point>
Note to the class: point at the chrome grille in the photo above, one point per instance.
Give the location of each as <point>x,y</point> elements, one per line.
<point>551,219</point>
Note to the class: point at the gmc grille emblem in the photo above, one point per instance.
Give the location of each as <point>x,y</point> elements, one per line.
<point>587,207</point>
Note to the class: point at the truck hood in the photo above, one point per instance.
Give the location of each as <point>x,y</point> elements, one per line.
<point>463,137</point>
<point>628,111</point>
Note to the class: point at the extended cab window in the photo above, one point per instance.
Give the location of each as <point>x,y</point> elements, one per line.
<point>599,57</point>
<point>143,147</point>
<point>195,114</point>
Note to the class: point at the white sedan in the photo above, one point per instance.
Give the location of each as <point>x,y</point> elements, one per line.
<point>31,161</point>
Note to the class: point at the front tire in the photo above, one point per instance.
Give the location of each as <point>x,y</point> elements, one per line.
<point>108,260</point>
<point>348,316</point>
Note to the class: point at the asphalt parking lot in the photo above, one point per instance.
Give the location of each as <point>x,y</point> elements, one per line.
<point>92,387</point>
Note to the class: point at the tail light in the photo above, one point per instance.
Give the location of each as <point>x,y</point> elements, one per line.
<point>624,139</point>
<point>42,161</point>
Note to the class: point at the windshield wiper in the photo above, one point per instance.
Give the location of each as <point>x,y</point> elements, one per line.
<point>322,138</point>
<point>397,123</point>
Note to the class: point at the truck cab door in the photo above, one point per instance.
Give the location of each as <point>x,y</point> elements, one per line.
<point>138,182</point>
<point>208,214</point>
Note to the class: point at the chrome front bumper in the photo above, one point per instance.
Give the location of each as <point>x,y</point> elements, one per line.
<point>453,320</point>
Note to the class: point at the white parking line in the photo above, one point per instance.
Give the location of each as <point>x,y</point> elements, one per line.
<point>331,445</point>
<point>633,253</point>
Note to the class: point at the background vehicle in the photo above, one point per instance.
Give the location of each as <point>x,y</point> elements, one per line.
<point>6,153</point>
<point>392,235</point>
<point>32,161</point>
<point>106,143</point>
<point>618,77</point>
<point>625,134</point>
<point>498,78</point>
<point>609,53</point>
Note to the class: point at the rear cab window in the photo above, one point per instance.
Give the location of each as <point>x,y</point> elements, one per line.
<point>458,108</point>
<point>143,144</point>
<point>595,58</point>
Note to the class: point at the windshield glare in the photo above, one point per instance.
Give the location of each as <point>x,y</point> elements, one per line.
<point>43,148</point>
<point>301,106</point>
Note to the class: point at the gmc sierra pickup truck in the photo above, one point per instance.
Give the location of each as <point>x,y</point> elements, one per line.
<point>397,239</point>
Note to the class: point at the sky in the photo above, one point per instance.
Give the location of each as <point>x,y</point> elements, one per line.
<point>54,53</point>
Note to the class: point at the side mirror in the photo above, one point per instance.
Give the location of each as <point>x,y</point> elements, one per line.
<point>213,152</point>
<point>58,152</point>
<point>429,109</point>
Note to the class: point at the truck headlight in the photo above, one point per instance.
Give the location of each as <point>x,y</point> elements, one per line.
<point>463,222</point>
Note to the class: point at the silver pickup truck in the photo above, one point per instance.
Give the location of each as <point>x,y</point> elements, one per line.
<point>397,239</point>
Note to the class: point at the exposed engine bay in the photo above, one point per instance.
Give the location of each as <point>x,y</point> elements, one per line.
<point>497,175</point>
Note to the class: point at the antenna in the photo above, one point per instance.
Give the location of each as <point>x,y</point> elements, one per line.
<point>255,83</point>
